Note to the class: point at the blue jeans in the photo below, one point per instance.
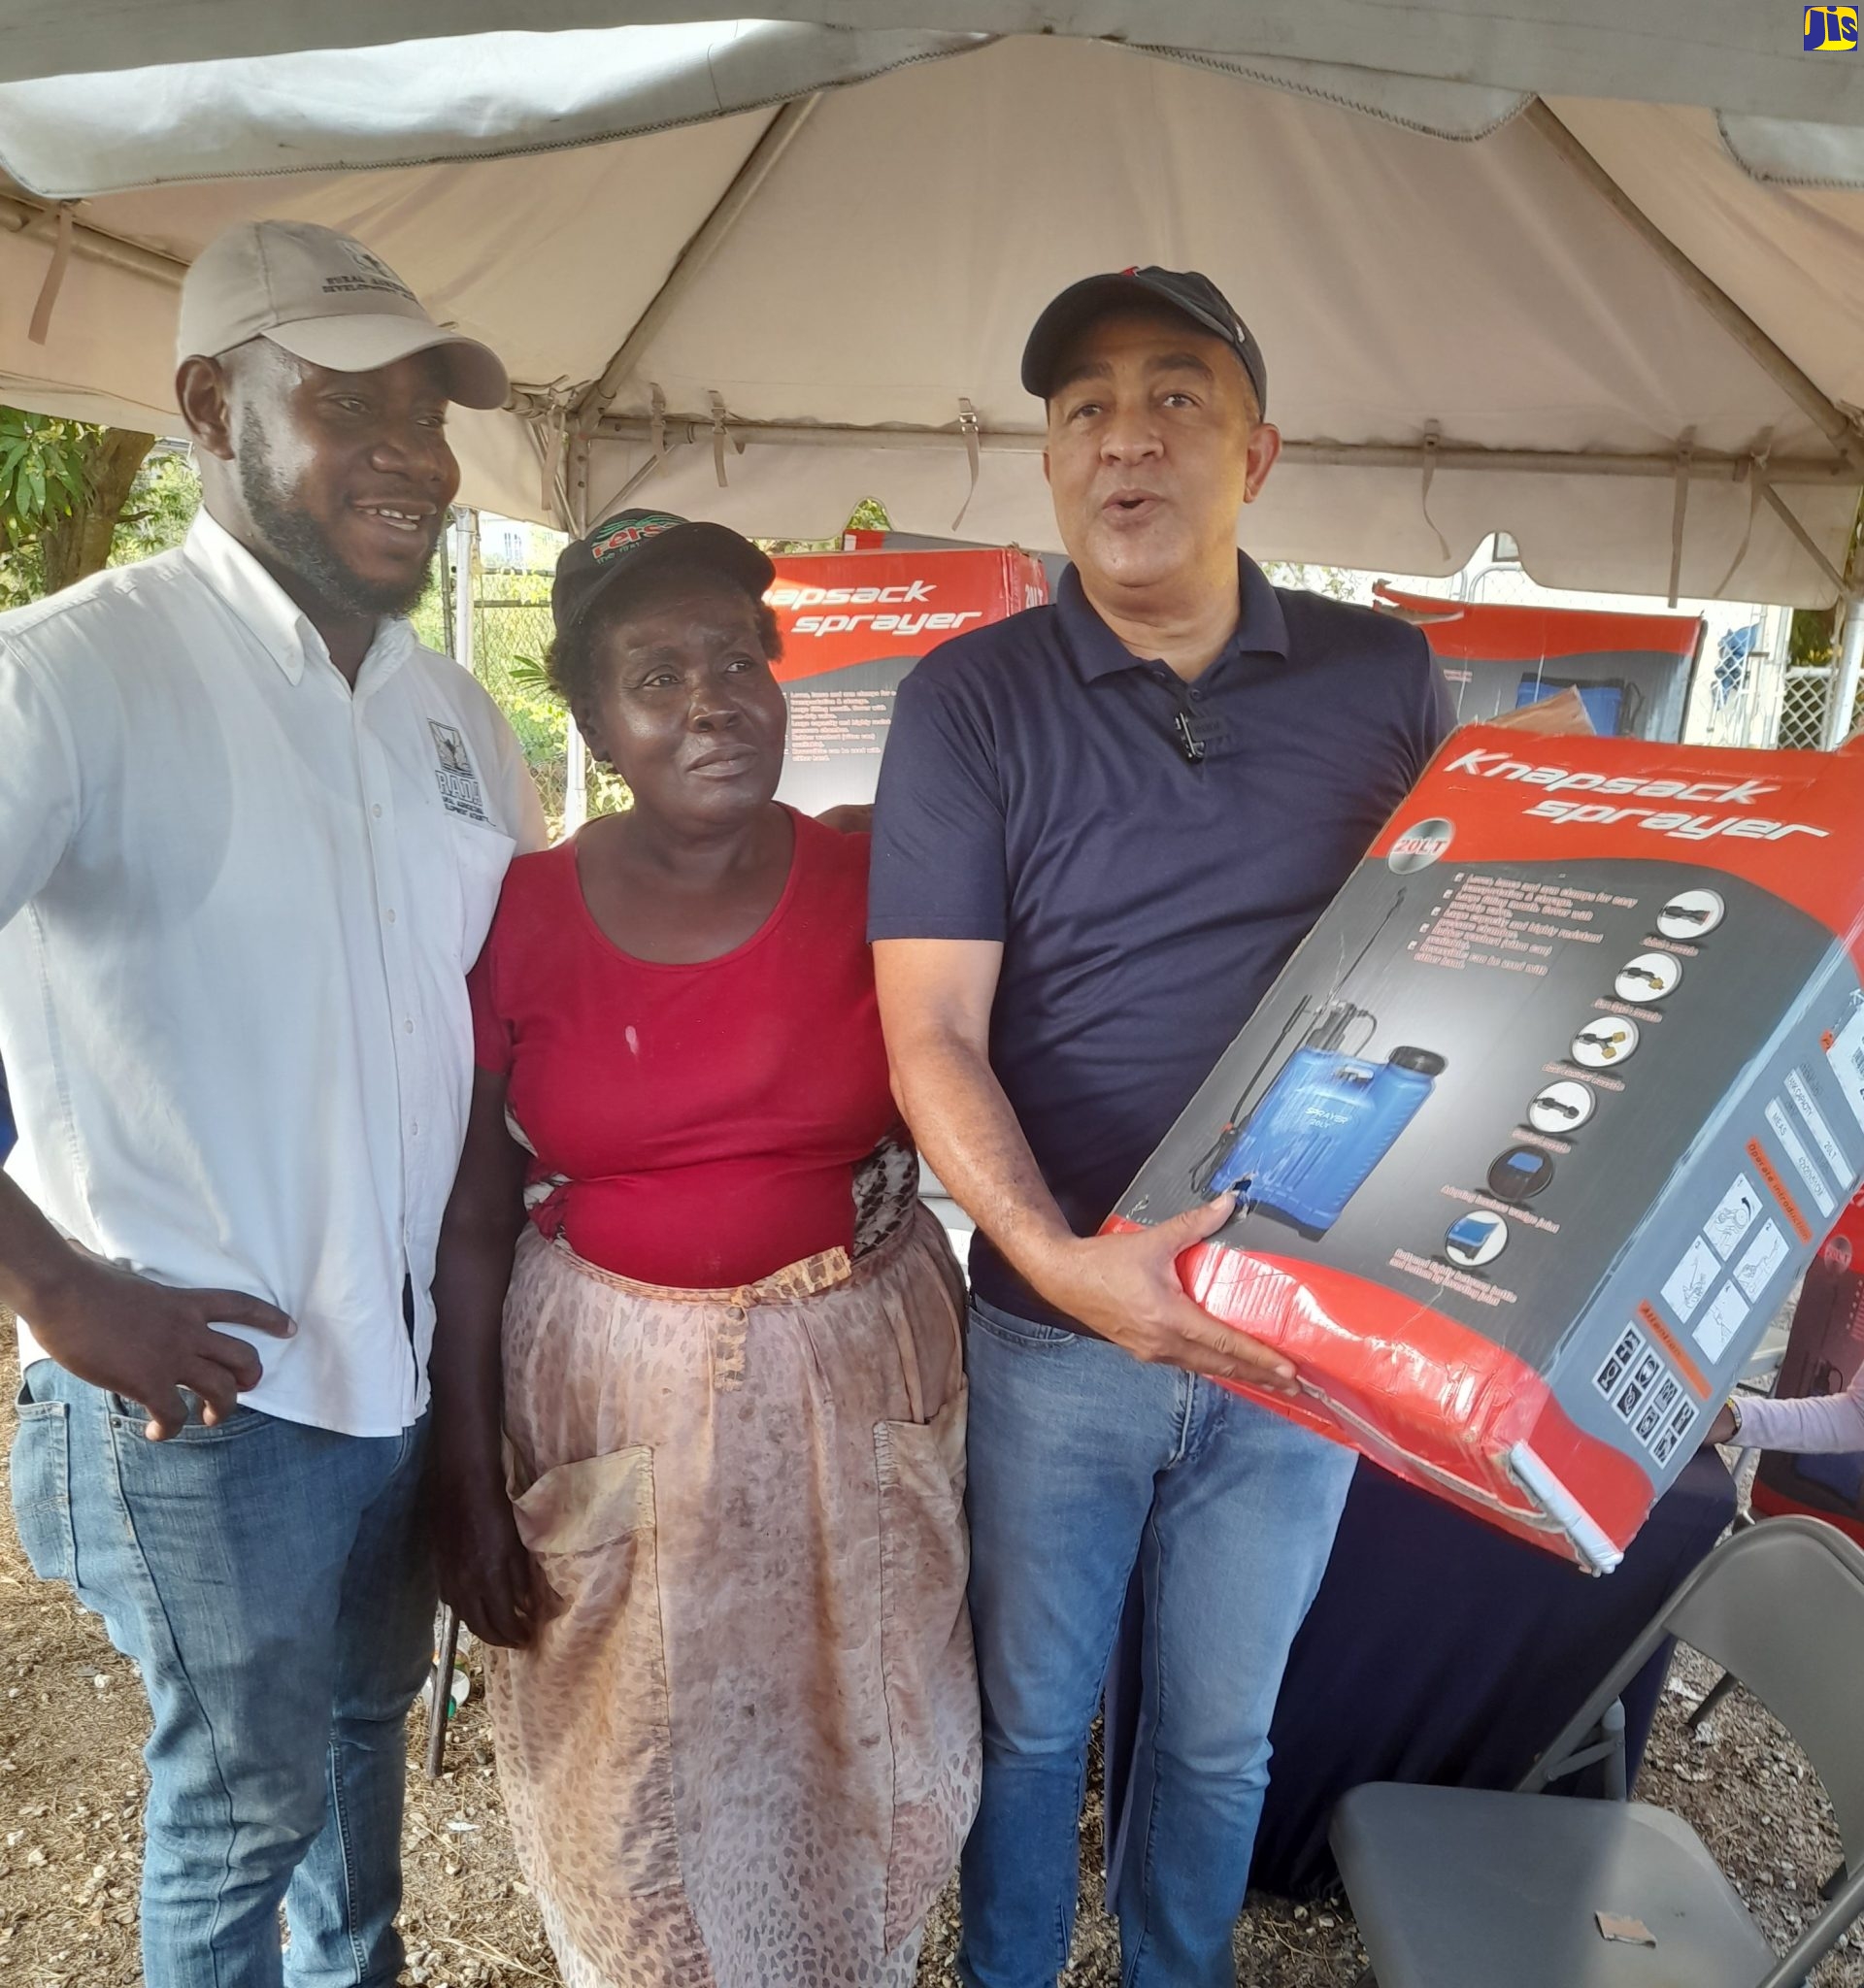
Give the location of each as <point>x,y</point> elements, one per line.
<point>1087,1467</point>
<point>272,1582</point>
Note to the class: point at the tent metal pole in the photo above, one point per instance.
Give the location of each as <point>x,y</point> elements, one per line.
<point>1842,698</point>
<point>1777,504</point>
<point>1799,386</point>
<point>778,137</point>
<point>1702,467</point>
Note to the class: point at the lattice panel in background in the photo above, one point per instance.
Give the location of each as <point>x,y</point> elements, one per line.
<point>1801,714</point>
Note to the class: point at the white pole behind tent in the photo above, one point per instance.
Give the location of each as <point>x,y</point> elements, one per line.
<point>1843,696</point>
<point>465,530</point>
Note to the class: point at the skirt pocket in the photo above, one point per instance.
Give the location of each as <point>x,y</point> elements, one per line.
<point>587,1713</point>
<point>928,1668</point>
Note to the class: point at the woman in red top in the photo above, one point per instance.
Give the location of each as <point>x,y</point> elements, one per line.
<point>699,1419</point>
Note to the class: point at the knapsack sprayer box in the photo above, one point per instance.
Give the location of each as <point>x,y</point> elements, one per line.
<point>853,624</point>
<point>1532,1135</point>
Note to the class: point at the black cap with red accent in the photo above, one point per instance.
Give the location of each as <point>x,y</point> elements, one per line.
<point>633,543</point>
<point>1186,291</point>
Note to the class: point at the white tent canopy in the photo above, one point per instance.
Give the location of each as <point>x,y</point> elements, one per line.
<point>760,270</point>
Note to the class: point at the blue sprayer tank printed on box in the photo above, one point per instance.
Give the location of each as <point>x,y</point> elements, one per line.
<point>1324,1124</point>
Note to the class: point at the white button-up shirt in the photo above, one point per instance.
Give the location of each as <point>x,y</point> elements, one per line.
<point>237,905</point>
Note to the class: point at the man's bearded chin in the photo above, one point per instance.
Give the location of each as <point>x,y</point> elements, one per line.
<point>298,543</point>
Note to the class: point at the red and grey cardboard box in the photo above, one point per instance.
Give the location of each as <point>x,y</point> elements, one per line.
<point>853,624</point>
<point>1532,1134</point>
<point>1824,1352</point>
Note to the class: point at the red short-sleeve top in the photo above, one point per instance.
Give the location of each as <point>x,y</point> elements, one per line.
<point>706,1117</point>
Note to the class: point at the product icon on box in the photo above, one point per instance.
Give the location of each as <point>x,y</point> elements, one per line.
<point>1563,1107</point>
<point>1520,1174</point>
<point>1611,1040</point>
<point>1691,914</point>
<point>1648,978</point>
<point>1476,1239</point>
<point>1522,1171</point>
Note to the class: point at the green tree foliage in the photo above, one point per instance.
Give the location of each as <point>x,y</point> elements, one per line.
<point>64,487</point>
<point>162,503</point>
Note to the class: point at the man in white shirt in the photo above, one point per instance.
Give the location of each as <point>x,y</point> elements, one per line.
<point>251,837</point>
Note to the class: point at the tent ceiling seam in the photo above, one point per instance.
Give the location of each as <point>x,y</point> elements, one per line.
<point>1800,387</point>
<point>701,246</point>
<point>1240,67</point>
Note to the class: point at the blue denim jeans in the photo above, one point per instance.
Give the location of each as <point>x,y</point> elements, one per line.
<point>1087,1466</point>
<point>272,1582</point>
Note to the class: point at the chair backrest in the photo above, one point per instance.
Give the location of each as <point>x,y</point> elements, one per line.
<point>1781,1605</point>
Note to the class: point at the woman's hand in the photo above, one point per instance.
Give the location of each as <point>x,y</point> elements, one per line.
<point>1721,1429</point>
<point>485,1572</point>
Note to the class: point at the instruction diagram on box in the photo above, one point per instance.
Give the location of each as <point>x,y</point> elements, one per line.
<point>1764,1255</point>
<point>1717,1328</point>
<point>1733,1217</point>
<point>1690,1282</point>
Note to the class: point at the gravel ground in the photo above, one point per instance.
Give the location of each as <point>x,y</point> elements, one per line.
<point>71,1720</point>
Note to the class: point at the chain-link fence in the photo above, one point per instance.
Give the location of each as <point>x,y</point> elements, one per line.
<point>510,639</point>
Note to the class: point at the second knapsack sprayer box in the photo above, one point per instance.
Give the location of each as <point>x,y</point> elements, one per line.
<point>1532,1135</point>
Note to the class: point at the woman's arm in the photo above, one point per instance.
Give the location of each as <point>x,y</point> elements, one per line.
<point>485,1571</point>
<point>1812,1424</point>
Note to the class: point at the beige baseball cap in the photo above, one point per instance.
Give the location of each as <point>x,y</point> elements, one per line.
<point>326,298</point>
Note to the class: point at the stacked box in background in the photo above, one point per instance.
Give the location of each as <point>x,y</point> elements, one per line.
<point>1534,1132</point>
<point>853,624</point>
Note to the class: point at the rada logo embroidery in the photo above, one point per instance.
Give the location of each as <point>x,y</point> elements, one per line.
<point>371,274</point>
<point>459,790</point>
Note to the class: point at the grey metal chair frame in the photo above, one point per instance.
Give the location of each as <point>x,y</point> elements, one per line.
<point>1780,1605</point>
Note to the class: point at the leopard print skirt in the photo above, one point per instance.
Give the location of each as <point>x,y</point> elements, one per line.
<point>743,1750</point>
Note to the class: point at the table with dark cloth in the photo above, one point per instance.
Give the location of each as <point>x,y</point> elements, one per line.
<point>1441,1650</point>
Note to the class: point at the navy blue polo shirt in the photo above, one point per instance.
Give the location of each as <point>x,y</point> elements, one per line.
<point>1035,791</point>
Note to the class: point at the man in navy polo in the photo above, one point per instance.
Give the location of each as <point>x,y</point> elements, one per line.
<point>1103,827</point>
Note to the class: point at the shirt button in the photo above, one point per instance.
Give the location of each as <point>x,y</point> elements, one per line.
<point>1197,697</point>
<point>408,1025</point>
<point>376,810</point>
<point>413,1128</point>
<point>734,1312</point>
<point>390,916</point>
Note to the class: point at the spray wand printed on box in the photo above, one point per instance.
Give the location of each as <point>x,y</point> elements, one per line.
<point>1532,1135</point>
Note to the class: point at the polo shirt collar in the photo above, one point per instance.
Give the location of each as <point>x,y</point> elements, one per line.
<point>273,618</point>
<point>1260,630</point>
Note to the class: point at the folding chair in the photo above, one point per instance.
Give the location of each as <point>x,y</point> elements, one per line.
<point>1463,1888</point>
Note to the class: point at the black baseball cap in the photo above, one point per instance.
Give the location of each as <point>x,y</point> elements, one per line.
<point>631,544</point>
<point>1187,291</point>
